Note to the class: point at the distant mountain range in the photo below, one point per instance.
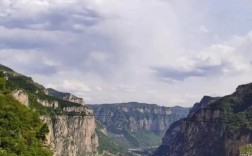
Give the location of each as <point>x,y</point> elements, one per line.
<point>137,125</point>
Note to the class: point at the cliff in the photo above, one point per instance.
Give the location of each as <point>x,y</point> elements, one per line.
<point>136,125</point>
<point>221,127</point>
<point>203,103</point>
<point>64,96</point>
<point>21,96</point>
<point>136,116</point>
<point>70,125</point>
<point>71,135</point>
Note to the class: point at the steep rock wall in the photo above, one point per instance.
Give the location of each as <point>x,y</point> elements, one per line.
<point>64,96</point>
<point>219,128</point>
<point>189,137</point>
<point>72,135</point>
<point>136,116</point>
<point>136,125</point>
<point>46,103</point>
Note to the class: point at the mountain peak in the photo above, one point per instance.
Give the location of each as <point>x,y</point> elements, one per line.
<point>203,103</point>
<point>244,88</point>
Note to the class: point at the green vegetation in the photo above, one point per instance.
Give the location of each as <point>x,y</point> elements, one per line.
<point>246,150</point>
<point>35,91</point>
<point>2,83</point>
<point>21,130</point>
<point>233,122</point>
<point>116,144</point>
<point>23,82</point>
<point>236,112</point>
<point>107,143</point>
<point>148,139</point>
<point>42,132</point>
<point>7,69</point>
<point>131,139</point>
<point>118,118</point>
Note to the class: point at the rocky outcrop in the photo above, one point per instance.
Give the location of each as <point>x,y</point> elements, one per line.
<point>64,96</point>
<point>219,128</point>
<point>78,109</point>
<point>203,103</point>
<point>21,96</point>
<point>46,103</point>
<point>74,99</point>
<point>72,135</point>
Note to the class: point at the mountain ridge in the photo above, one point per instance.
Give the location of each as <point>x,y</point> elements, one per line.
<point>70,127</point>
<point>136,125</point>
<point>225,125</point>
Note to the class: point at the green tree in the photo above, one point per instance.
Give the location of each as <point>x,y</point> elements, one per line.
<point>42,132</point>
<point>2,83</point>
<point>1,74</point>
<point>19,129</point>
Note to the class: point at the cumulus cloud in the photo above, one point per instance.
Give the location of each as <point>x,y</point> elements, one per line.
<point>213,61</point>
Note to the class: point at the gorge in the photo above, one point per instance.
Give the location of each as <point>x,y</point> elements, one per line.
<point>63,125</point>
<point>76,129</point>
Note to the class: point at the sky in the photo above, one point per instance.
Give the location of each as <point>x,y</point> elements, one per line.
<point>167,52</point>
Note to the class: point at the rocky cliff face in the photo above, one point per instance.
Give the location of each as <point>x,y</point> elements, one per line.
<point>136,116</point>
<point>46,103</point>
<point>219,128</point>
<point>203,103</point>
<point>137,124</point>
<point>64,96</point>
<point>21,96</point>
<point>72,135</point>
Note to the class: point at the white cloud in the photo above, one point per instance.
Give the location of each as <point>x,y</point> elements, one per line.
<point>73,85</point>
<point>105,50</point>
<point>216,60</point>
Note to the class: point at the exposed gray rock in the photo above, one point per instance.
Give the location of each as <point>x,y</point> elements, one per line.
<point>64,96</point>
<point>46,103</point>
<point>21,96</point>
<point>215,127</point>
<point>72,135</point>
